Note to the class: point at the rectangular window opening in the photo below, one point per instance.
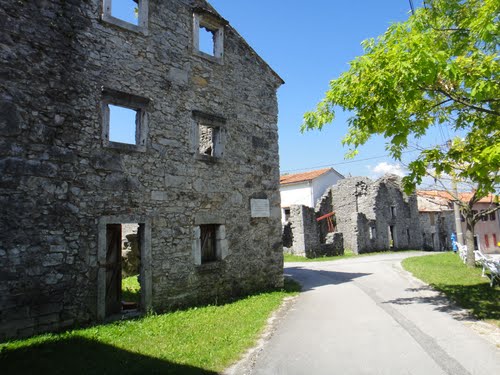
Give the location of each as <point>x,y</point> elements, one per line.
<point>123,124</point>
<point>286,212</point>
<point>486,241</point>
<point>206,41</point>
<point>208,241</point>
<point>373,233</point>
<point>393,212</point>
<point>207,142</point>
<point>492,216</point>
<point>126,10</point>
<point>484,217</point>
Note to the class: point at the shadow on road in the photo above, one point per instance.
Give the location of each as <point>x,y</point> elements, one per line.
<point>477,298</point>
<point>311,279</point>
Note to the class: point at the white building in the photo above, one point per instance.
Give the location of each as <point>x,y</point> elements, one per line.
<point>305,188</point>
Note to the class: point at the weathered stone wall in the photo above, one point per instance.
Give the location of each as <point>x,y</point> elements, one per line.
<point>365,210</point>
<point>58,177</point>
<point>304,231</point>
<point>436,233</point>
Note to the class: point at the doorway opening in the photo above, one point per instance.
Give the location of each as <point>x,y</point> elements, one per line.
<point>392,239</point>
<point>123,268</point>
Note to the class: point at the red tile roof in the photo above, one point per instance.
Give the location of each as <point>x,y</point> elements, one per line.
<point>465,197</point>
<point>300,177</point>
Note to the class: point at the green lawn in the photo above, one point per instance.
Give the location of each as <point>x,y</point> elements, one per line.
<point>463,285</point>
<point>131,289</point>
<point>196,341</point>
<point>347,254</point>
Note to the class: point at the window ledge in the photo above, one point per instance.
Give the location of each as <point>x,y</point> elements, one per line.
<point>209,159</point>
<point>206,56</point>
<point>125,146</point>
<point>125,25</point>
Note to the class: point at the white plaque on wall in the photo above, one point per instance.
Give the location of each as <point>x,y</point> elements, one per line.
<point>260,207</point>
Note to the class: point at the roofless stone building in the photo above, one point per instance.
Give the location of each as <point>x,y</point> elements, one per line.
<point>196,172</point>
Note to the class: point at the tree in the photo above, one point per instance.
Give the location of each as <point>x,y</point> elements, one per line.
<point>441,66</point>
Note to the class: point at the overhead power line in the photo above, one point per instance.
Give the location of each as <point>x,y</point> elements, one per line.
<point>343,162</point>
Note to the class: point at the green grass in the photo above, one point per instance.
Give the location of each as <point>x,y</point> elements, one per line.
<point>131,289</point>
<point>465,286</point>
<point>347,254</point>
<point>196,341</point>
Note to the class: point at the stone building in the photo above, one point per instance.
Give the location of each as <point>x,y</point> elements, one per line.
<point>198,172</point>
<point>375,215</point>
<point>437,221</point>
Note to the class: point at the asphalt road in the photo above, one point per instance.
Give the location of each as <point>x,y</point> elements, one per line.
<point>369,316</point>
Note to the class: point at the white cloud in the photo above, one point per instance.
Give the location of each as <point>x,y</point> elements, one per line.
<point>383,168</point>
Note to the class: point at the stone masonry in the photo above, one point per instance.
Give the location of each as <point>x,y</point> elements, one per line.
<point>302,236</point>
<point>375,215</point>
<point>65,184</point>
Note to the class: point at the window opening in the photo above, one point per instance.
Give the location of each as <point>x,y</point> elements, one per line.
<point>208,243</point>
<point>484,217</point>
<point>433,239</point>
<point>373,233</point>
<point>408,236</point>
<point>286,212</point>
<point>393,212</point>
<point>432,218</point>
<point>492,216</point>
<point>123,267</point>
<point>207,140</point>
<point>123,124</point>
<point>495,243</point>
<point>206,41</point>
<point>126,10</point>
<point>487,241</point>
<point>392,244</point>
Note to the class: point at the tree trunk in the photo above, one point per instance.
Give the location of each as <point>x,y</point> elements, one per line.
<point>469,241</point>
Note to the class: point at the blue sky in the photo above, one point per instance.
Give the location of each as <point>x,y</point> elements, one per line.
<point>308,44</point>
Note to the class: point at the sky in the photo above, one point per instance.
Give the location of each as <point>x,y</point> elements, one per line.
<point>308,44</point>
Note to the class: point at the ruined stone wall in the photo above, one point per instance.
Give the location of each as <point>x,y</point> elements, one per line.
<point>304,231</point>
<point>365,210</point>
<point>436,232</point>
<point>58,177</point>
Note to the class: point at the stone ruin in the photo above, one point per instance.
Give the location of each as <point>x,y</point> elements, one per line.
<point>68,183</point>
<point>302,235</point>
<point>368,216</point>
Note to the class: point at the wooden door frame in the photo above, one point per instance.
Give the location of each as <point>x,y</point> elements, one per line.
<point>146,272</point>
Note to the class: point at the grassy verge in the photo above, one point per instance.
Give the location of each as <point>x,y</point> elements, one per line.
<point>195,341</point>
<point>463,285</point>
<point>347,254</point>
<point>131,289</point>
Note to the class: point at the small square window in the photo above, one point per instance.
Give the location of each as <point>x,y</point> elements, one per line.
<point>128,14</point>
<point>123,124</point>
<point>209,136</point>
<point>208,36</point>
<point>484,217</point>
<point>210,244</point>
<point>206,41</point>
<point>208,140</point>
<point>124,120</point>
